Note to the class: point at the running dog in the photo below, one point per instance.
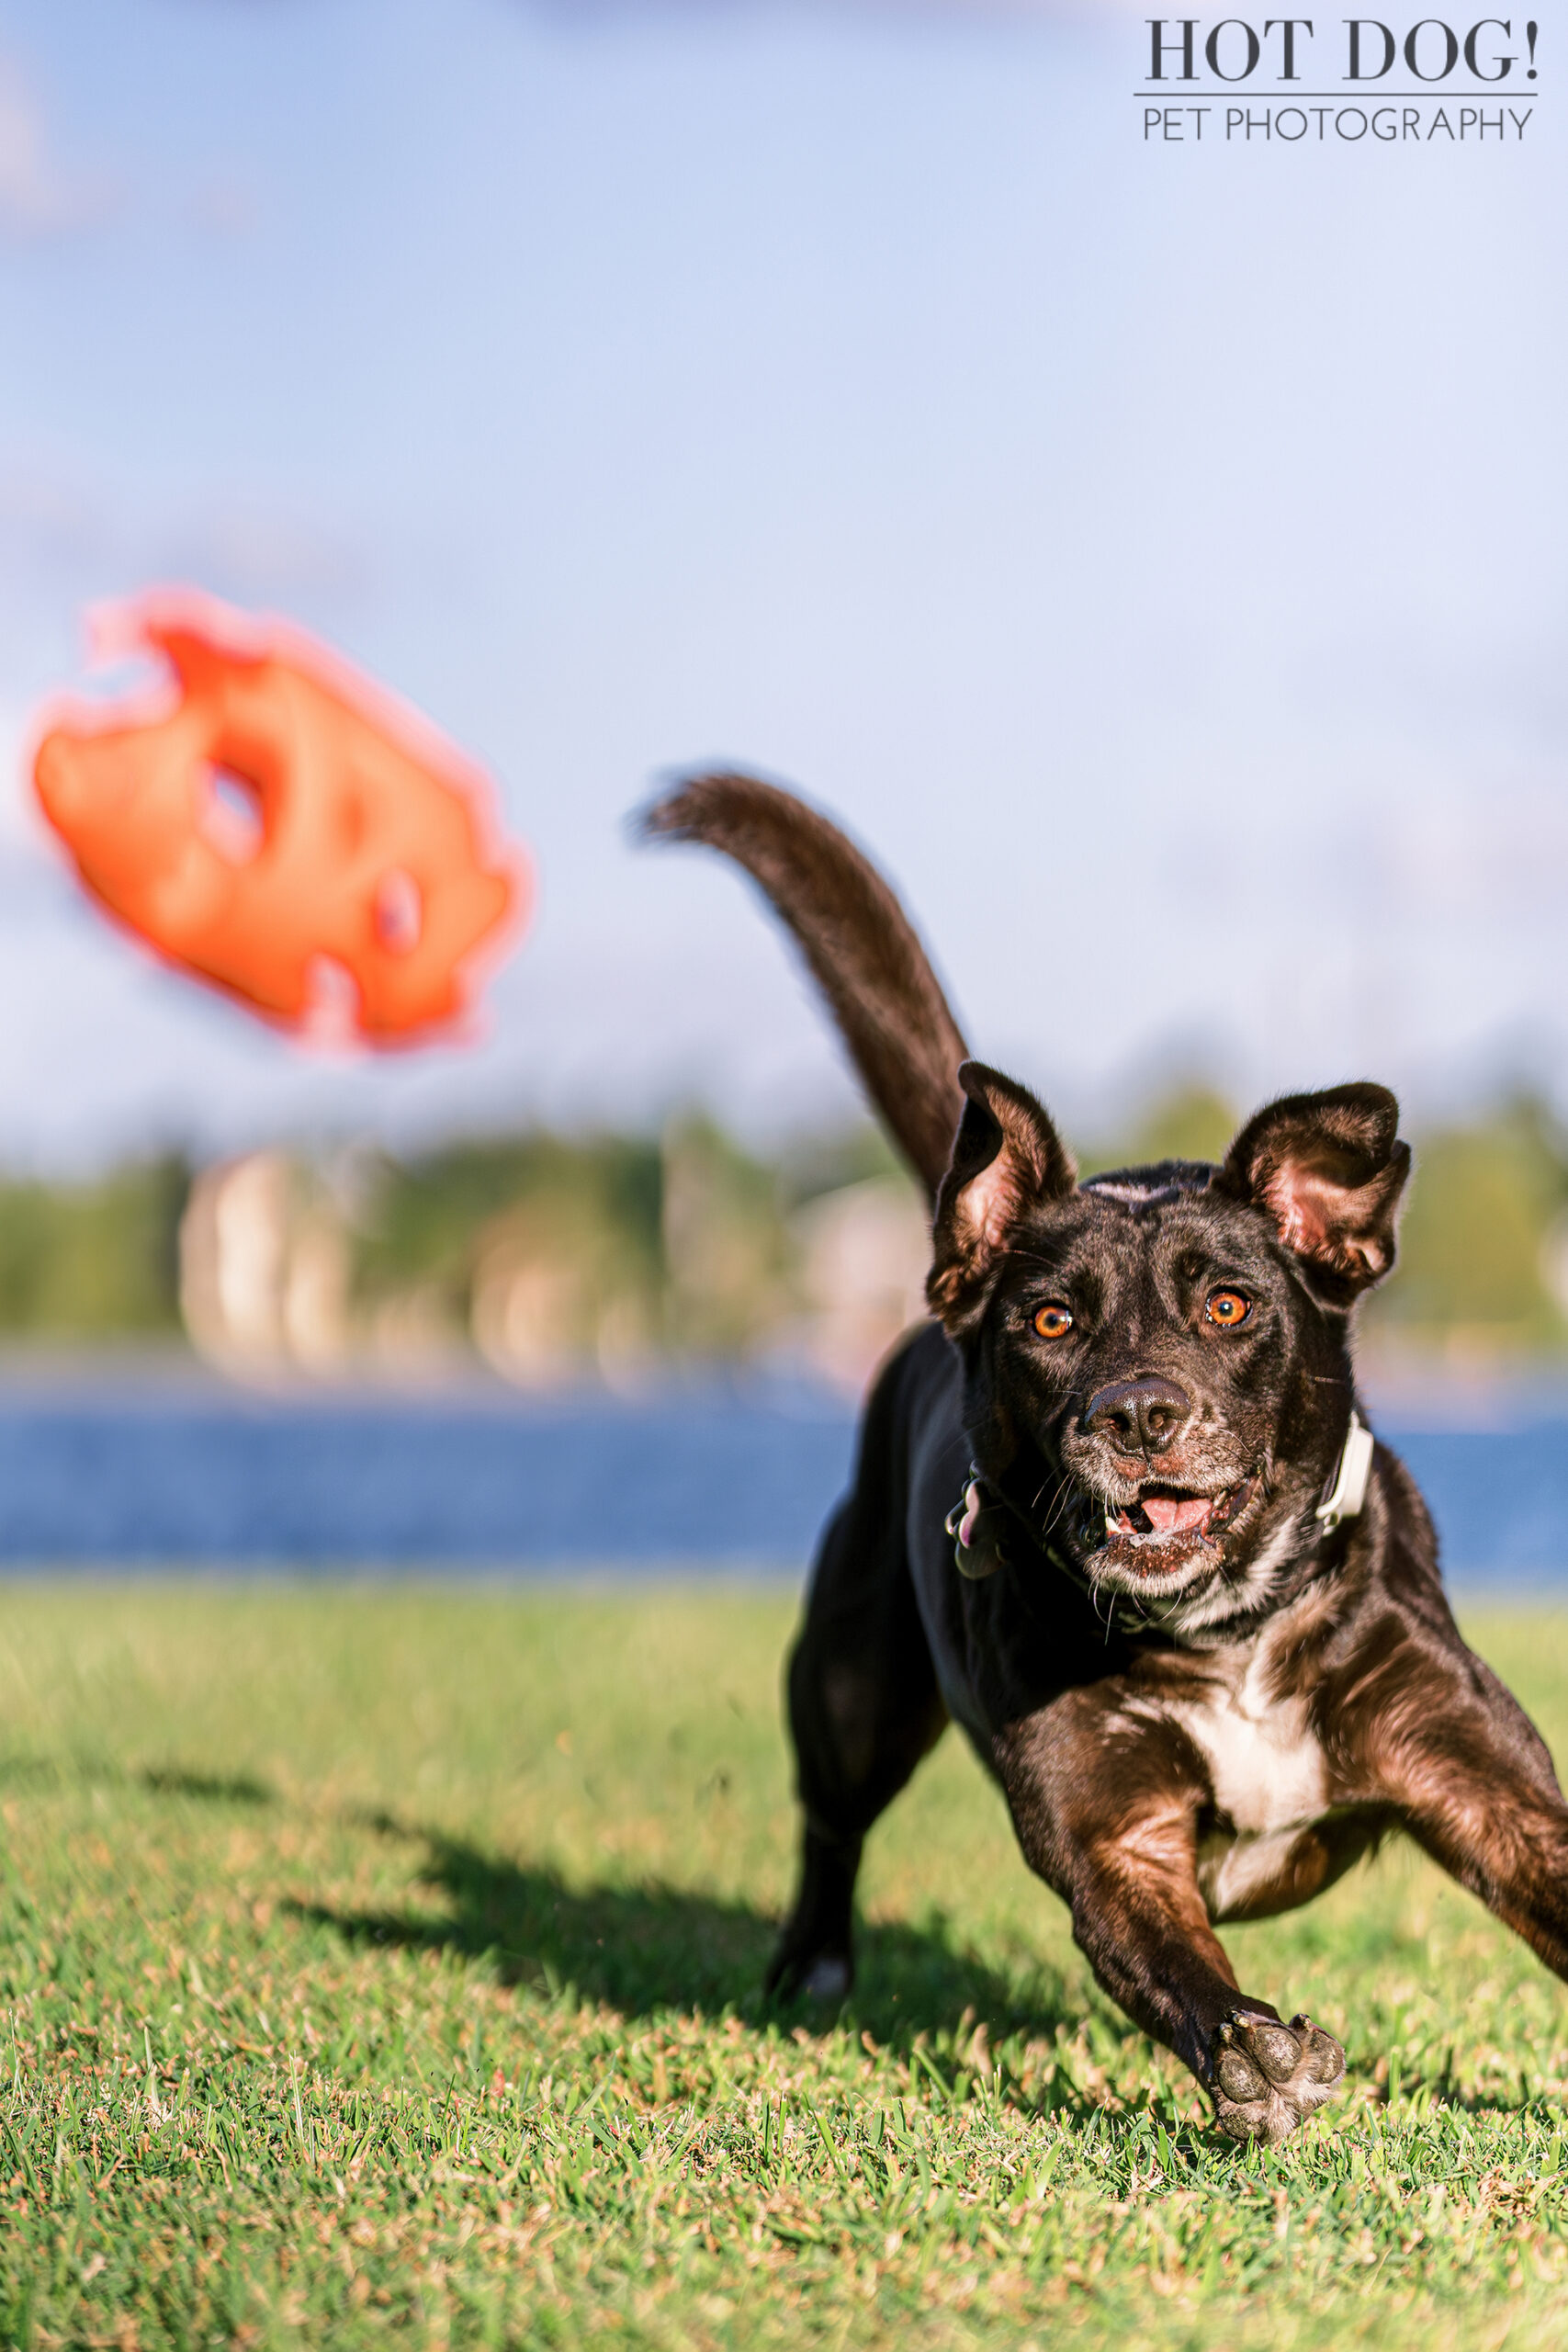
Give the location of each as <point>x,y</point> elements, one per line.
<point>1116,1511</point>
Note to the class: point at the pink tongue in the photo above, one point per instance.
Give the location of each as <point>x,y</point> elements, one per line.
<point>1167,1514</point>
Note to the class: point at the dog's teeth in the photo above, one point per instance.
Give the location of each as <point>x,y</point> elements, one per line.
<point>1111,1526</point>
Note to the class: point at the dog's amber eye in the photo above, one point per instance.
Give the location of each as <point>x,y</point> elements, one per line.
<point>1227,1308</point>
<point>1054,1322</point>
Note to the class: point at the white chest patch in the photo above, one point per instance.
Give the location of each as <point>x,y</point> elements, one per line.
<point>1269,1783</point>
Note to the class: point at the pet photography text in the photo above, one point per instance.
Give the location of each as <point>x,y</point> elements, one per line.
<point>1429,82</point>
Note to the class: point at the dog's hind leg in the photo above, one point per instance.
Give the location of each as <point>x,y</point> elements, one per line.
<point>864,1709</point>
<point>863,1705</point>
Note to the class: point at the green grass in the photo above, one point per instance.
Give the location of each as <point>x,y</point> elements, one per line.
<point>377,1964</point>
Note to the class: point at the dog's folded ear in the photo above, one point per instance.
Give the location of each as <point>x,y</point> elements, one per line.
<point>1006,1159</point>
<point>1329,1169</point>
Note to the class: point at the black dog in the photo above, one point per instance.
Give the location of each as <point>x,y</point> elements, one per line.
<point>1116,1512</point>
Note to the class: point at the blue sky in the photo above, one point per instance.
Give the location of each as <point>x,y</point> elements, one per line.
<point>1156,555</point>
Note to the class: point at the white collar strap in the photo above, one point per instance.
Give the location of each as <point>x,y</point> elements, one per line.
<point>1348,1492</point>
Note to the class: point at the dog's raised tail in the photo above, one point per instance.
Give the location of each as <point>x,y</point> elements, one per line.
<point>858,944</point>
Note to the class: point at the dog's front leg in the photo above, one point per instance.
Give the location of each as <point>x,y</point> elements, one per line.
<point>1106,1803</point>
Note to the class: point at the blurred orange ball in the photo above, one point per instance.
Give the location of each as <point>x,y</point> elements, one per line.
<point>273,815</point>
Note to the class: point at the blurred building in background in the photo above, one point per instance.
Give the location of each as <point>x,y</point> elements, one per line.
<point>554,1261</point>
<point>266,1269</point>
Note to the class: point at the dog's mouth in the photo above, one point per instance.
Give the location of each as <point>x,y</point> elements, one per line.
<point>1157,1513</point>
<point>1164,1538</point>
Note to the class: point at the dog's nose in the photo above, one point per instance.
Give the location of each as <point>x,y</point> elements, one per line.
<point>1139,1416</point>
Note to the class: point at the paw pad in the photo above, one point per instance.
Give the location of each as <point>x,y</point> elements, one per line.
<point>1268,2076</point>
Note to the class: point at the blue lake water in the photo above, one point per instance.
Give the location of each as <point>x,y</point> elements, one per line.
<point>128,1472</point>
<point>114,1478</point>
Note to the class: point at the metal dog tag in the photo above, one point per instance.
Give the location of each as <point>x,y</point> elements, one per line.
<point>976,1550</point>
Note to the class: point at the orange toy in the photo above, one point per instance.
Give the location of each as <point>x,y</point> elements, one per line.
<point>275,811</point>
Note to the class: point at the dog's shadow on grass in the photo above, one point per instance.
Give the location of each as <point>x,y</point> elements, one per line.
<point>643,1950</point>
<point>84,1770</point>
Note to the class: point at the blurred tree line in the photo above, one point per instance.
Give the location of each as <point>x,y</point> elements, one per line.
<point>88,1261</point>
<point>558,1256</point>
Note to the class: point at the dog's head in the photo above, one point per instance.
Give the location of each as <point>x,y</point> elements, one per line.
<point>1158,1360</point>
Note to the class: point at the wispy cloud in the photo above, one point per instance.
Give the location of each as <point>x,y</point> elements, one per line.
<point>61,537</point>
<point>36,198</point>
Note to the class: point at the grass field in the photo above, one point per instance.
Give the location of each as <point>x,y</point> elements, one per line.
<point>378,1964</point>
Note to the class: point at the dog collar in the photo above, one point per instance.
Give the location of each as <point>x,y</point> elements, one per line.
<point>1349,1491</point>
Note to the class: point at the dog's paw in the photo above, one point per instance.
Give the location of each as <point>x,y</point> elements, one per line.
<point>823,1977</point>
<point>1268,2077</point>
